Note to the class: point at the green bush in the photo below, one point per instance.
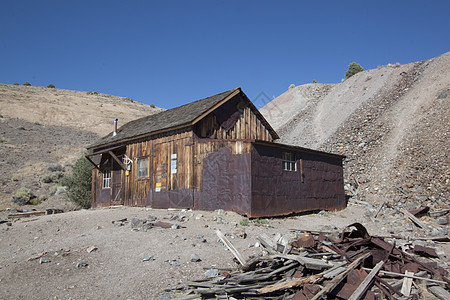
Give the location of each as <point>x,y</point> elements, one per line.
<point>314,81</point>
<point>79,184</point>
<point>22,196</point>
<point>244,222</point>
<point>353,68</point>
<point>53,177</point>
<point>292,86</point>
<point>15,83</point>
<point>38,200</point>
<point>261,221</point>
<point>27,84</point>
<point>52,86</point>
<point>152,105</point>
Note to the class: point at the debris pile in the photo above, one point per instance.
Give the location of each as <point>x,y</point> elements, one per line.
<point>312,265</point>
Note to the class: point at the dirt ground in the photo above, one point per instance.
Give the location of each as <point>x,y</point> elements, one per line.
<point>116,270</point>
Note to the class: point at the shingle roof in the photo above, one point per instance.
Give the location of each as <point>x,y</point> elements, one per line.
<point>179,116</point>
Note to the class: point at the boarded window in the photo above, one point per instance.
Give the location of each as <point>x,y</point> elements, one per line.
<point>142,167</point>
<point>289,163</point>
<point>106,179</point>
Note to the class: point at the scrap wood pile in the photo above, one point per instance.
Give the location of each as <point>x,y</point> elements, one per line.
<point>354,265</point>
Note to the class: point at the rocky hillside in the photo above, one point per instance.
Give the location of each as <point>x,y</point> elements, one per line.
<point>392,123</point>
<point>47,127</point>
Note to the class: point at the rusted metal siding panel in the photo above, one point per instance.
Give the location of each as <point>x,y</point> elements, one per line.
<point>226,181</point>
<point>278,192</point>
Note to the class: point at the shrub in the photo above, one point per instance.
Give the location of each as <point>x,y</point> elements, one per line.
<point>79,184</point>
<point>292,86</point>
<point>152,105</point>
<point>27,84</point>
<point>55,168</point>
<point>261,221</point>
<point>22,196</point>
<point>37,123</point>
<point>52,86</point>
<point>314,81</point>
<point>15,83</point>
<point>53,177</point>
<point>244,222</point>
<point>353,68</point>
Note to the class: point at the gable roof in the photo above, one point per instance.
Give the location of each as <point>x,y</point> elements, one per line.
<point>175,118</point>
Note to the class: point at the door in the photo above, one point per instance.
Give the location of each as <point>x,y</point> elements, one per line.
<point>116,187</point>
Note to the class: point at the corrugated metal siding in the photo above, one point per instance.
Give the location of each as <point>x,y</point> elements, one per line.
<point>279,192</point>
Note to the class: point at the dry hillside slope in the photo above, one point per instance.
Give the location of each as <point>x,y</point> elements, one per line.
<point>42,127</point>
<point>392,123</point>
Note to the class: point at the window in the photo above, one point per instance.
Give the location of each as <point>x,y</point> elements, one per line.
<point>106,179</point>
<point>142,167</point>
<point>289,163</point>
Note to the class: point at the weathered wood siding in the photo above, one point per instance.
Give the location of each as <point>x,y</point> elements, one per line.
<point>235,121</point>
<point>142,191</point>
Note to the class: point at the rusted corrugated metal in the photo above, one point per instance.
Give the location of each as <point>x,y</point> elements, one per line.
<point>316,184</point>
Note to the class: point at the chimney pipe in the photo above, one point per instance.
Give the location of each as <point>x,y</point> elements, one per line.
<point>115,127</point>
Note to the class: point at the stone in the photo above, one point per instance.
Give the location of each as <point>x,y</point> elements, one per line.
<point>442,221</point>
<point>195,258</point>
<point>82,264</point>
<point>44,260</point>
<point>148,258</point>
<point>212,273</point>
<point>175,226</point>
<point>220,212</point>
<point>174,263</point>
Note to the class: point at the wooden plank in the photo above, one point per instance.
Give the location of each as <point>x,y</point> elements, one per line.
<point>289,284</point>
<point>230,247</point>
<point>407,284</point>
<point>414,219</point>
<point>336,280</point>
<point>362,288</point>
<point>117,160</point>
<point>439,292</point>
<point>410,276</point>
<point>26,214</point>
<point>310,263</point>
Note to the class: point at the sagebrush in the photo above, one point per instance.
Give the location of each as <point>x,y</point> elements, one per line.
<point>79,183</point>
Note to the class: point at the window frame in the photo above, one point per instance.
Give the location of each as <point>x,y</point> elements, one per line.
<point>289,162</point>
<point>139,161</point>
<point>106,179</point>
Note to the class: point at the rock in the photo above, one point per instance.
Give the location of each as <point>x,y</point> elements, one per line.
<point>409,185</point>
<point>174,263</point>
<point>44,260</point>
<point>195,258</point>
<point>61,190</point>
<point>240,232</point>
<point>82,264</point>
<point>151,218</point>
<point>148,258</point>
<point>439,232</point>
<point>175,226</point>
<point>213,218</point>
<point>91,249</point>
<point>442,221</point>
<point>212,273</point>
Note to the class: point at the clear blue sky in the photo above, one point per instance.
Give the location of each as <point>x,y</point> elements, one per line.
<point>173,52</point>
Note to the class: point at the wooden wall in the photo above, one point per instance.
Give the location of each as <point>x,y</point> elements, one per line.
<point>158,151</point>
<point>248,126</point>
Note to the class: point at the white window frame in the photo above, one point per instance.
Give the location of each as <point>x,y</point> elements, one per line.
<point>106,182</point>
<point>141,162</point>
<point>289,162</point>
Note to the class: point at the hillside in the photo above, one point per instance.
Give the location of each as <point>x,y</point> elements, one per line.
<point>392,123</point>
<point>42,127</point>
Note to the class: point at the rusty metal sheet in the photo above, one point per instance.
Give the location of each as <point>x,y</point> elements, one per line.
<point>317,185</point>
<point>419,211</point>
<point>305,240</point>
<point>425,251</point>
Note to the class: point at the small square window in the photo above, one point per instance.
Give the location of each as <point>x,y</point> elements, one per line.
<point>106,179</point>
<point>289,163</point>
<point>142,167</point>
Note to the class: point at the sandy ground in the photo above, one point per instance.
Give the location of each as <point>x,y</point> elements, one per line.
<point>117,270</point>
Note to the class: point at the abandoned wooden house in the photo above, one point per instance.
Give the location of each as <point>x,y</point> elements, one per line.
<point>214,153</point>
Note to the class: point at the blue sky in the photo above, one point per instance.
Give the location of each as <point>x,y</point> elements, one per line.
<point>173,52</point>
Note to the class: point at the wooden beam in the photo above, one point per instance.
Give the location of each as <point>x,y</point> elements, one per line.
<point>236,91</point>
<point>407,284</point>
<point>230,247</point>
<point>289,284</point>
<point>413,219</point>
<point>117,160</point>
<point>362,288</point>
<point>439,292</point>
<point>336,280</point>
<point>91,161</point>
